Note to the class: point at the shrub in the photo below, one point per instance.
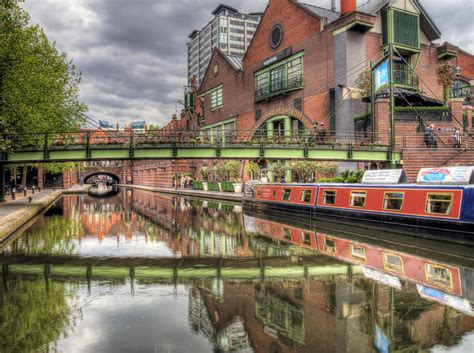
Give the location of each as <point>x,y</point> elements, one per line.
<point>213,186</point>
<point>205,173</point>
<point>197,185</point>
<point>227,186</point>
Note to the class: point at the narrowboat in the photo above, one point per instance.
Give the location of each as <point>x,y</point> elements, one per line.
<point>435,278</point>
<point>441,199</point>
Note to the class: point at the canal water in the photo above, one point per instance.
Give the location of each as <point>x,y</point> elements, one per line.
<point>134,271</point>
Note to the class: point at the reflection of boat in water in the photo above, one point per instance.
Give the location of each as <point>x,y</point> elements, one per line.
<point>442,199</point>
<point>439,277</point>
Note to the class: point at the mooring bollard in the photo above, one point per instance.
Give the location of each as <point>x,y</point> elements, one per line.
<point>13,195</point>
<point>39,188</point>
<point>33,190</point>
<point>25,192</point>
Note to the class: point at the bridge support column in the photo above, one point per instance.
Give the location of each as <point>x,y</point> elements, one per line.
<point>287,126</point>
<point>2,182</point>
<point>270,130</point>
<point>288,173</point>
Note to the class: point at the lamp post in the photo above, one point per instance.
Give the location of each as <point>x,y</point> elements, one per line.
<point>457,73</point>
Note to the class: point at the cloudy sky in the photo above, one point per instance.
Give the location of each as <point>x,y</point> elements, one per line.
<point>132,53</point>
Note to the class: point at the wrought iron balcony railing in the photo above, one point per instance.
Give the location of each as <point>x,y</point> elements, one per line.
<point>278,87</point>
<point>403,76</point>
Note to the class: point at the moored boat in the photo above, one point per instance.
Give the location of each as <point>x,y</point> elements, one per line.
<point>442,198</point>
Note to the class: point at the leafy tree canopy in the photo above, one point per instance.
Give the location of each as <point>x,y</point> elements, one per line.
<point>39,86</point>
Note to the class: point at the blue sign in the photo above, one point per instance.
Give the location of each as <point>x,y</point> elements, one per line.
<point>106,124</point>
<point>381,75</point>
<point>139,125</point>
<point>381,341</point>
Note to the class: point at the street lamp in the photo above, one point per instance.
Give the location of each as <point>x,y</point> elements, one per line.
<point>457,73</point>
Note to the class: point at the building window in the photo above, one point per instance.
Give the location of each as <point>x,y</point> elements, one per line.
<point>286,194</point>
<point>358,252</point>
<point>258,114</point>
<point>393,201</point>
<point>329,197</point>
<point>286,233</point>
<point>393,262</point>
<point>439,204</point>
<point>406,29</point>
<point>298,104</point>
<point>330,245</point>
<point>276,36</point>
<point>358,198</point>
<point>280,78</point>
<point>306,196</point>
<point>438,275</point>
<point>216,98</point>
<point>306,237</point>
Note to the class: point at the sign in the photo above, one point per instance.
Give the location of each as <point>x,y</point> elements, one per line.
<point>459,304</point>
<point>386,176</point>
<point>139,125</point>
<point>106,125</point>
<point>381,341</point>
<point>383,278</point>
<point>449,176</point>
<point>278,56</point>
<point>381,75</point>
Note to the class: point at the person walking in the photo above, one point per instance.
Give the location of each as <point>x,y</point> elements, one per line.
<point>427,136</point>
<point>433,137</point>
<point>457,138</point>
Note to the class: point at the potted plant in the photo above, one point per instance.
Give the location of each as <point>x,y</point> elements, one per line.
<point>205,176</point>
<point>233,169</point>
<point>253,169</point>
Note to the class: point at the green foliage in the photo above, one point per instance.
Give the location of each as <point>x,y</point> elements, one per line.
<point>363,82</point>
<point>336,180</point>
<point>197,185</point>
<point>232,170</point>
<point>153,127</point>
<point>205,173</point>
<point>278,169</point>
<point>253,168</point>
<point>59,168</point>
<point>446,77</point>
<point>304,170</point>
<point>39,86</point>
<point>213,186</point>
<point>327,169</point>
<point>352,177</point>
<point>227,186</point>
<point>33,317</point>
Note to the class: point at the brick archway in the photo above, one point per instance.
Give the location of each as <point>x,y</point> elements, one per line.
<point>292,112</point>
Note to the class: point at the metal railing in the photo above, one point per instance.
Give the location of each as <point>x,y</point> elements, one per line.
<point>276,87</point>
<point>417,113</point>
<point>403,76</point>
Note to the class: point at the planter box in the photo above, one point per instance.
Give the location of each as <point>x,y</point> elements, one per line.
<point>238,188</point>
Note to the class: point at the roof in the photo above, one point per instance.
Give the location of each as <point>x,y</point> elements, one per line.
<point>193,34</point>
<point>320,11</point>
<point>224,7</point>
<point>235,61</point>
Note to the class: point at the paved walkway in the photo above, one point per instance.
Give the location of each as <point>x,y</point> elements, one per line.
<point>216,195</point>
<point>15,214</point>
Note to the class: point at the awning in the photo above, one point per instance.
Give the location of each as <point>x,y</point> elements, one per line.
<point>406,98</point>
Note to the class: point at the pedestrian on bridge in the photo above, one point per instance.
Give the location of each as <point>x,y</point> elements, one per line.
<point>457,138</point>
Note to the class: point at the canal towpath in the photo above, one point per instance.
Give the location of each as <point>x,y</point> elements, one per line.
<point>215,195</point>
<point>15,214</point>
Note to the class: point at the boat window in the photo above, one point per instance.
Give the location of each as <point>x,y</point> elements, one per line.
<point>286,194</point>
<point>358,252</point>
<point>438,275</point>
<point>306,237</point>
<point>274,231</point>
<point>439,203</point>
<point>329,197</point>
<point>287,233</point>
<point>358,199</point>
<point>274,193</point>
<point>330,245</point>
<point>306,196</point>
<point>259,192</point>
<point>393,201</point>
<point>393,262</point>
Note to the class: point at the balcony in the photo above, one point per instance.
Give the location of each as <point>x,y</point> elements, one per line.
<point>404,77</point>
<point>279,87</point>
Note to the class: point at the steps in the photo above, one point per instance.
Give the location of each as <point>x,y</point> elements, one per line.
<point>417,158</point>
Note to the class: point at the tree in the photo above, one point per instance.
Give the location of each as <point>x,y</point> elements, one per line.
<point>278,169</point>
<point>327,169</point>
<point>253,168</point>
<point>304,170</point>
<point>39,86</point>
<point>446,77</point>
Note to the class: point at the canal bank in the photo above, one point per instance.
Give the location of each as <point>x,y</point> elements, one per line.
<point>214,195</point>
<point>14,215</point>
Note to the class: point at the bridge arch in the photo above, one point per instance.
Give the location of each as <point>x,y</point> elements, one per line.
<point>114,176</point>
<point>283,113</point>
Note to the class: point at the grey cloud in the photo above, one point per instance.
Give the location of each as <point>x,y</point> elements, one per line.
<point>132,53</point>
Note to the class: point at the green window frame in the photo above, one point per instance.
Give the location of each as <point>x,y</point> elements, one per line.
<point>406,29</point>
<point>287,75</point>
<point>216,98</point>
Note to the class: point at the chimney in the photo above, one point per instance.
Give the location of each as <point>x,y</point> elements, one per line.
<point>348,6</point>
<point>333,5</point>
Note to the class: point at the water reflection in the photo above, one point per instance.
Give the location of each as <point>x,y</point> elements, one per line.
<point>154,273</point>
<point>103,190</point>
